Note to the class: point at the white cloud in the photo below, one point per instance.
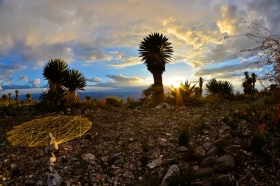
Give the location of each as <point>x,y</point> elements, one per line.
<point>124,81</point>
<point>84,30</point>
<point>35,82</point>
<point>93,79</point>
<point>126,61</point>
<point>22,77</point>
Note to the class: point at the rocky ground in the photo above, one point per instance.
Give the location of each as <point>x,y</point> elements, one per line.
<point>139,146</point>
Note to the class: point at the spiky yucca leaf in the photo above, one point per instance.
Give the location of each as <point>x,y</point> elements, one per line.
<point>155,51</point>
<point>54,72</point>
<point>73,81</point>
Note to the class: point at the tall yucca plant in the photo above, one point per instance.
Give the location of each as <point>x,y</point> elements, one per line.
<point>73,81</point>
<point>54,72</point>
<point>155,51</point>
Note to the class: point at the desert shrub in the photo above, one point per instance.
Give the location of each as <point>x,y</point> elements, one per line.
<point>184,137</point>
<point>131,103</point>
<point>184,177</point>
<point>219,87</point>
<point>185,94</point>
<point>113,101</point>
<point>257,142</point>
<point>199,124</point>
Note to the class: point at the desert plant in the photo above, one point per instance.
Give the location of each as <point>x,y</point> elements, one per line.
<point>113,101</point>
<point>16,91</point>
<point>257,142</point>
<point>88,98</point>
<point>200,86</point>
<point>155,51</point>
<point>131,103</point>
<point>4,97</point>
<point>10,94</point>
<point>184,137</point>
<point>28,97</point>
<point>184,94</point>
<point>219,87</point>
<point>74,80</point>
<point>54,72</point>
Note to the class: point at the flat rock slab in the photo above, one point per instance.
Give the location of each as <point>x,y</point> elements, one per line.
<point>213,152</point>
<point>224,163</point>
<point>182,149</point>
<point>171,170</point>
<point>210,161</point>
<point>207,146</point>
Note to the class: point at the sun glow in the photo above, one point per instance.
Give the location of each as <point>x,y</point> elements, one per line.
<point>174,82</point>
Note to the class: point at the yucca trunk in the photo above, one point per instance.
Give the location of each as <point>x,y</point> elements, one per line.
<point>159,92</point>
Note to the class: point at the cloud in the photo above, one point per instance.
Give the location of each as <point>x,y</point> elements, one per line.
<point>6,70</point>
<point>226,71</point>
<point>22,77</point>
<point>93,79</point>
<point>228,23</point>
<point>88,30</point>
<point>124,81</point>
<point>1,84</point>
<point>126,61</point>
<point>35,82</point>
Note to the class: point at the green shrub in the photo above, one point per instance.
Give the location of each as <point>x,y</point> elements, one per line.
<point>113,101</point>
<point>257,142</point>
<point>199,124</point>
<point>184,137</point>
<point>131,103</point>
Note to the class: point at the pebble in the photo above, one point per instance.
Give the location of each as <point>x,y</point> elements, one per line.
<point>182,149</point>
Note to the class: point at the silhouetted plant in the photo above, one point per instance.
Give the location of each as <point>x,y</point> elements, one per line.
<point>184,137</point>
<point>73,81</point>
<point>185,93</point>
<point>155,51</point>
<point>219,87</point>
<point>200,86</point>
<point>28,97</point>
<point>88,98</point>
<point>9,94</point>
<point>4,97</point>
<point>16,91</point>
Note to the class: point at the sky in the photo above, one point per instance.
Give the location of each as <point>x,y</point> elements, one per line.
<point>101,39</point>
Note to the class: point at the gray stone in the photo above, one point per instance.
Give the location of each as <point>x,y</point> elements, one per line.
<point>168,161</point>
<point>224,163</point>
<point>88,158</point>
<point>225,129</point>
<point>205,172</point>
<point>207,146</point>
<point>182,149</point>
<point>170,171</point>
<point>210,161</point>
<point>155,163</point>
<point>199,151</point>
<point>54,179</point>
<point>213,152</point>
